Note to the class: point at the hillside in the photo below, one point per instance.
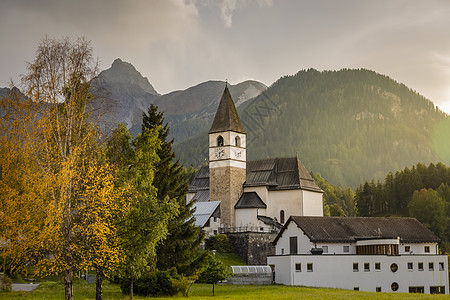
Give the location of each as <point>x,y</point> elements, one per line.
<point>192,110</point>
<point>347,125</point>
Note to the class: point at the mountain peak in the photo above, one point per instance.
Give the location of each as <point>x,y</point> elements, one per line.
<point>122,72</point>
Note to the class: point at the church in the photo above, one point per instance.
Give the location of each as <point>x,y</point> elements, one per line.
<point>232,194</point>
<point>272,211</point>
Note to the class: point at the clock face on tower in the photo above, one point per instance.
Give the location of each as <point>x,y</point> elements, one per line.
<point>219,153</point>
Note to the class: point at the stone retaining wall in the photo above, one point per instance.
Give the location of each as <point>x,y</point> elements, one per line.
<point>253,247</point>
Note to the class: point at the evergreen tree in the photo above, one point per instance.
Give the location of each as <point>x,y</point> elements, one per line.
<point>181,247</point>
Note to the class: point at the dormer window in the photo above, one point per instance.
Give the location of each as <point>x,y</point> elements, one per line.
<point>237,141</point>
<point>220,141</point>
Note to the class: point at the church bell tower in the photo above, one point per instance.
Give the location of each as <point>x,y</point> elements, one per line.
<point>227,159</point>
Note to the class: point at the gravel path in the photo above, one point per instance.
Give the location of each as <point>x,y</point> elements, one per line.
<point>26,287</point>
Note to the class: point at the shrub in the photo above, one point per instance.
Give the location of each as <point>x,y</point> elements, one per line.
<point>220,243</point>
<point>157,284</point>
<point>6,285</point>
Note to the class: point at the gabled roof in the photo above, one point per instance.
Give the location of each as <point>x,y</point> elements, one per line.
<point>286,173</point>
<point>204,211</point>
<point>352,229</point>
<point>250,200</point>
<point>227,118</point>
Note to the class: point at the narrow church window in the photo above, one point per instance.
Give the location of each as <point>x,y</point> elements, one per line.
<point>220,141</point>
<point>282,216</point>
<point>237,141</point>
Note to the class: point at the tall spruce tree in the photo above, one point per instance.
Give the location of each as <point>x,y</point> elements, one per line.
<point>181,247</point>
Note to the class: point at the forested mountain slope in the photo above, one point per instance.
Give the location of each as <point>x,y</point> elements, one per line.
<point>349,125</point>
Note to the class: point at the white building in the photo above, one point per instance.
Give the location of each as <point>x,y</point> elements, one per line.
<point>254,196</point>
<point>367,254</point>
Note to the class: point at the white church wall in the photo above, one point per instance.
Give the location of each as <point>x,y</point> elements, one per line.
<point>260,190</point>
<point>290,201</point>
<point>248,217</point>
<point>312,203</point>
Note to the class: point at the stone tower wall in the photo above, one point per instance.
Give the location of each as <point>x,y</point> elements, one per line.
<point>226,186</point>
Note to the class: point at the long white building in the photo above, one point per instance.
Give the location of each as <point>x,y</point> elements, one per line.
<point>366,254</point>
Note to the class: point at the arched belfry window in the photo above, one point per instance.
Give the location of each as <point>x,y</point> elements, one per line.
<point>220,141</point>
<point>237,141</point>
<point>282,216</point>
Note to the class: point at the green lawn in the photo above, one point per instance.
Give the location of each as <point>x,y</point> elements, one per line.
<point>230,259</point>
<point>53,290</point>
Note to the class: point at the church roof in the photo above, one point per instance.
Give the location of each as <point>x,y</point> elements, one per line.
<point>201,180</point>
<point>250,200</point>
<point>287,173</point>
<point>280,174</point>
<point>352,229</point>
<point>227,118</point>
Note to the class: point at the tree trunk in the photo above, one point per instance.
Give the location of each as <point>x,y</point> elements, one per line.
<point>99,285</point>
<point>131,288</point>
<point>213,289</point>
<point>68,284</point>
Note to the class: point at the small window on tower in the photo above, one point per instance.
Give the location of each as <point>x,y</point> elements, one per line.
<point>220,141</point>
<point>237,141</point>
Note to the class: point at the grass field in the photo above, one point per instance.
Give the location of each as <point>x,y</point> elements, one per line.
<point>54,290</point>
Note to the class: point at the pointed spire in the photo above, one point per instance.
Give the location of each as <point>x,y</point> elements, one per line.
<point>227,118</point>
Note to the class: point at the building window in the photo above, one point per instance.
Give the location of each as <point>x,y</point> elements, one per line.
<point>282,216</point>
<point>355,267</point>
<point>220,141</point>
<point>325,249</point>
<point>346,249</point>
<point>366,267</point>
<point>437,289</point>
<point>441,266</point>
<point>309,267</point>
<point>237,141</point>
<point>293,245</point>
<point>407,248</point>
<point>420,266</point>
<point>431,266</point>
<point>298,267</point>
<point>282,250</point>
<point>427,249</point>
<point>416,289</point>
<point>394,286</point>
<point>215,232</point>
<point>410,266</point>
<point>377,266</point>
<point>378,288</point>
<point>356,288</point>
<point>394,267</point>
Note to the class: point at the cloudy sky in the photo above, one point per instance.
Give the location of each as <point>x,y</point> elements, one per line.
<point>177,44</point>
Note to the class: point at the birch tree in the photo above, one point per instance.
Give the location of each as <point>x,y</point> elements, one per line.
<point>58,197</point>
